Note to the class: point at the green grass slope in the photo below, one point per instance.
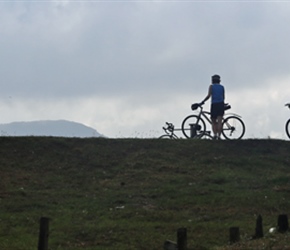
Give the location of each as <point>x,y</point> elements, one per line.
<point>134,194</point>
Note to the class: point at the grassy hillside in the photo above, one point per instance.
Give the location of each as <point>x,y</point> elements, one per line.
<point>133,194</point>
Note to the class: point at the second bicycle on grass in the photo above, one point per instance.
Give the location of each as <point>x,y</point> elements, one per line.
<point>169,133</point>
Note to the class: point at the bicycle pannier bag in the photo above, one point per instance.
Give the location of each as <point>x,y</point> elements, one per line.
<point>194,106</point>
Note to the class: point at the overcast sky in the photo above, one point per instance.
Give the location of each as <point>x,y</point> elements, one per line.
<point>127,67</point>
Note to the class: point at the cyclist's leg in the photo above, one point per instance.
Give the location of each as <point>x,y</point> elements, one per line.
<point>219,126</point>
<point>214,126</point>
<point>213,116</point>
<point>217,112</point>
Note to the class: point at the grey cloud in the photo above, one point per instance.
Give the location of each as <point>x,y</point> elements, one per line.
<point>112,49</point>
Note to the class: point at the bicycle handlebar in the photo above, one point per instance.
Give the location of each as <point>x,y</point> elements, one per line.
<point>170,127</point>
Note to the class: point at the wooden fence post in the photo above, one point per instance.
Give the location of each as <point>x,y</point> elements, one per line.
<point>182,239</point>
<point>283,225</point>
<point>259,228</point>
<point>234,234</point>
<point>43,234</point>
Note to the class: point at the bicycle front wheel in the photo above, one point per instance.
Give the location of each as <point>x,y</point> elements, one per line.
<point>192,120</point>
<point>233,128</point>
<point>166,137</point>
<point>287,128</point>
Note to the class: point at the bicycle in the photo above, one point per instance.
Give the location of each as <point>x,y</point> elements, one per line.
<point>287,126</point>
<point>233,126</point>
<point>169,133</point>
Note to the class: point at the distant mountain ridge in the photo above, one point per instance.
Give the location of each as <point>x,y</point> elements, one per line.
<point>57,128</point>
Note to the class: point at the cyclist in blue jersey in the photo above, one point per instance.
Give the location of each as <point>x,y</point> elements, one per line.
<point>217,93</point>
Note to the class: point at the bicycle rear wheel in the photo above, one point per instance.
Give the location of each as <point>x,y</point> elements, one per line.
<point>233,128</point>
<point>192,120</point>
<point>287,128</point>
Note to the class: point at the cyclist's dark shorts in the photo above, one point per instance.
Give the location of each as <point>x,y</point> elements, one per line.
<point>217,109</point>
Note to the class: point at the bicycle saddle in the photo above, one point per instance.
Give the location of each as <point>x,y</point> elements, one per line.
<point>227,106</point>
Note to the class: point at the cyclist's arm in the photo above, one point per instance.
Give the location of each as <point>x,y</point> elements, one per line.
<point>208,95</point>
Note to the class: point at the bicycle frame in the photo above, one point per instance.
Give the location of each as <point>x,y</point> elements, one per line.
<point>206,115</point>
<point>171,134</point>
